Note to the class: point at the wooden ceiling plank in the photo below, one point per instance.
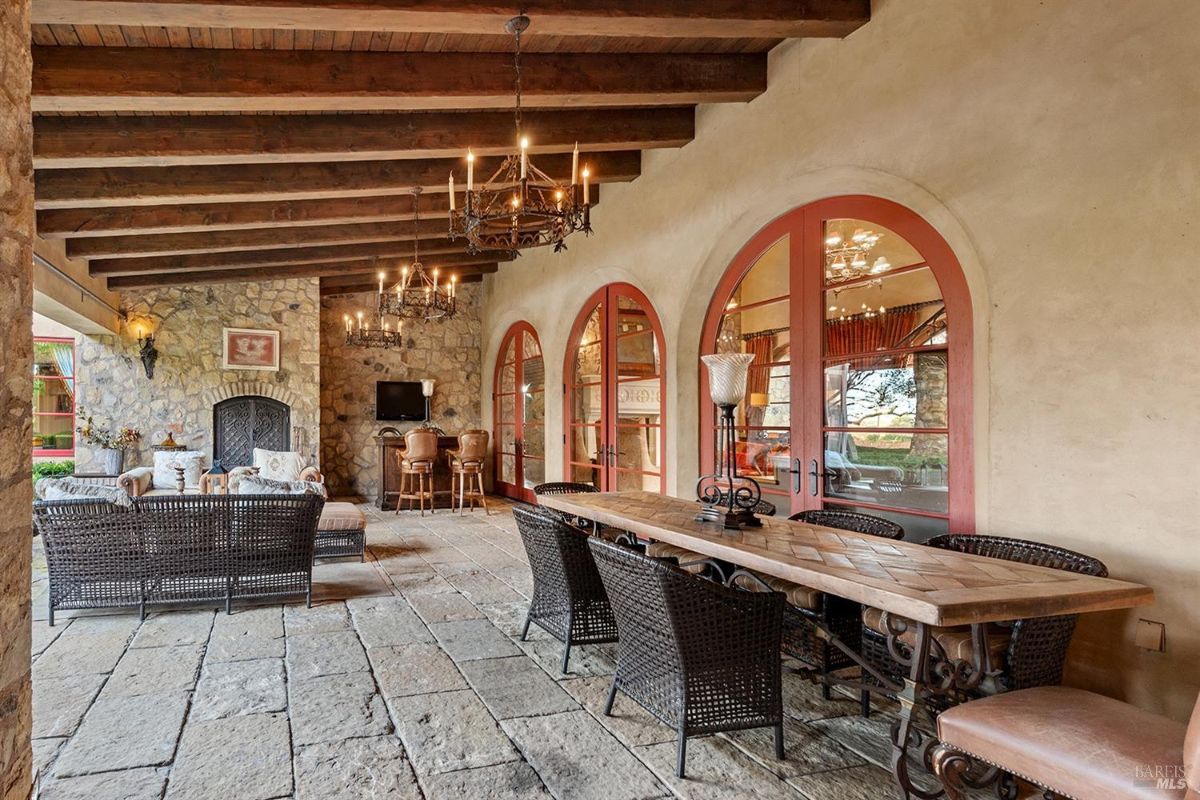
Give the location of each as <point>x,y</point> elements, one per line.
<point>361,272</point>
<point>660,18</point>
<point>127,186</point>
<point>73,223</point>
<point>164,79</point>
<point>63,142</point>
<point>265,238</point>
<point>433,251</point>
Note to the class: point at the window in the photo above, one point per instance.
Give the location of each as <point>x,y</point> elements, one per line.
<point>53,398</point>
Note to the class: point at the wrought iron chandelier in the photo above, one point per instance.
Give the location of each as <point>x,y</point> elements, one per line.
<point>381,335</point>
<point>420,295</point>
<point>846,259</point>
<point>520,206</point>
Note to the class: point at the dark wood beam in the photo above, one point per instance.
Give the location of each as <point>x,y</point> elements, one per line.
<point>658,18</point>
<point>372,287</point>
<point>432,251</point>
<point>141,186</point>
<point>164,79</point>
<point>261,238</point>
<point>361,272</point>
<point>110,141</point>
<point>74,223</point>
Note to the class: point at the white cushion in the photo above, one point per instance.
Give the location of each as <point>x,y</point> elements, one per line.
<point>165,462</point>
<point>278,465</point>
<point>71,489</point>
<point>256,484</point>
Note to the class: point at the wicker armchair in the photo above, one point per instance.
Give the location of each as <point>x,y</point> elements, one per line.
<point>1031,652</point>
<point>180,549</point>
<point>568,601</point>
<point>701,657</point>
<point>805,605</point>
<point>603,531</point>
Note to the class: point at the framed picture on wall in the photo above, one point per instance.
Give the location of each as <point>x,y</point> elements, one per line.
<point>245,348</point>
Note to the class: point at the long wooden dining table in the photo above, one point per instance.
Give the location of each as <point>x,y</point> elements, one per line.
<point>924,587</point>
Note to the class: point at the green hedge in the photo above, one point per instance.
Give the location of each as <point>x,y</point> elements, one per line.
<point>53,469</point>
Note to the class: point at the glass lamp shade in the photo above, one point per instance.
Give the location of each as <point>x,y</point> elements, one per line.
<point>427,387</point>
<point>727,376</point>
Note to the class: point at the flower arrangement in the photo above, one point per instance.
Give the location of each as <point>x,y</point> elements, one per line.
<point>98,436</point>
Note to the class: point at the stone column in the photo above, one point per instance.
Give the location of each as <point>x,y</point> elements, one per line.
<point>16,388</point>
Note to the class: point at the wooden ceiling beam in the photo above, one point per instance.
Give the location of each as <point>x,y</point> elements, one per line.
<point>112,79</point>
<point>658,18</point>
<point>432,251</point>
<point>361,272</point>
<point>140,186</point>
<point>111,141</point>
<point>74,223</point>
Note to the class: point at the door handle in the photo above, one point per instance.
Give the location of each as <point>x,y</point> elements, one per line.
<point>815,474</point>
<point>796,472</point>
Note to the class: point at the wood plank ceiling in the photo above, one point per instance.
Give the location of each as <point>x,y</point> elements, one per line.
<point>180,142</point>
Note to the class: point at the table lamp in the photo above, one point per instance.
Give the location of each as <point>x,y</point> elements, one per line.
<point>727,498</point>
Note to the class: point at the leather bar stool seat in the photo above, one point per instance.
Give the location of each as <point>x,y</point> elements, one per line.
<point>416,466</point>
<point>1075,743</point>
<point>466,470</point>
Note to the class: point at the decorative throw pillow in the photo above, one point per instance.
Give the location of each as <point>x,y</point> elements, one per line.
<point>256,484</point>
<point>165,462</point>
<point>278,465</point>
<point>72,489</point>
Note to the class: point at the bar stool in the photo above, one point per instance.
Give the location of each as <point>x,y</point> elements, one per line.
<point>466,469</point>
<point>416,463</point>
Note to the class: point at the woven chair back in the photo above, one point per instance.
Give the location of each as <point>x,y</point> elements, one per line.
<point>563,488</point>
<point>850,521</point>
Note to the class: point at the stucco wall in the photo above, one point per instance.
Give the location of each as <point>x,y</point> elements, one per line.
<point>16,387</point>
<point>1053,145</point>
<point>446,351</point>
<point>188,378</point>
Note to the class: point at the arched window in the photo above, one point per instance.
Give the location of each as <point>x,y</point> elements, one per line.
<point>519,402</point>
<point>615,388</point>
<point>859,396</point>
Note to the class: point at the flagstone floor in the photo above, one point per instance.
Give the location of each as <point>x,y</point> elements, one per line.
<point>407,679</point>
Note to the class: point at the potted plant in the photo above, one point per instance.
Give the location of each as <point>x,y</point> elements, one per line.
<point>112,444</point>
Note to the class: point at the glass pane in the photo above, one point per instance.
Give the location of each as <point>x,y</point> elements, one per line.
<point>638,448</point>
<point>508,469</point>
<point>535,409</point>
<point>898,311</point>
<point>637,481</point>
<point>534,435</point>
<point>507,437</point>
<point>508,379</point>
<point>509,354</point>
<point>53,432</point>
<point>761,454</point>
<point>54,359</point>
<point>916,529</point>
<point>582,474</point>
<point>856,249</point>
<point>760,303</point>
<point>535,472</point>
<point>533,374</point>
<point>589,351</point>
<point>507,409</point>
<point>906,391</point>
<point>530,348</point>
<point>53,396</point>
<point>586,403</point>
<point>901,470</point>
<point>585,443</point>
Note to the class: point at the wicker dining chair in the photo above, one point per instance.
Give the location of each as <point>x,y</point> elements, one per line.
<point>801,640</point>
<point>701,657</point>
<point>568,601</point>
<point>1030,652</point>
<point>603,531</point>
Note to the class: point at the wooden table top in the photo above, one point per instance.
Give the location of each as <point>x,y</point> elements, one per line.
<point>925,584</point>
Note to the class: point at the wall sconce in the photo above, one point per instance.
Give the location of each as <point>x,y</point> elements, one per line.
<point>148,352</point>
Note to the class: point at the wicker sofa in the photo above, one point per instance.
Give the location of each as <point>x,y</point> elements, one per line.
<point>139,481</point>
<point>181,549</point>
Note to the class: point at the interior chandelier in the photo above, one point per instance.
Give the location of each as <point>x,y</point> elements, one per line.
<point>419,295</point>
<point>381,335</point>
<point>520,206</point>
<point>848,259</point>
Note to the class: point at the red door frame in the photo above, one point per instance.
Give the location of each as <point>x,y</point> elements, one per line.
<point>60,453</point>
<point>805,227</point>
<point>516,490</point>
<point>606,297</point>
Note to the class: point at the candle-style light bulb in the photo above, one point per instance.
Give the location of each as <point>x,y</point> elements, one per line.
<point>404,279</point>
<point>451,193</point>
<point>587,187</point>
<point>524,157</point>
<point>470,170</point>
<point>453,285</point>
<point>381,283</point>
<point>575,165</point>
<point>435,280</point>
<point>360,320</point>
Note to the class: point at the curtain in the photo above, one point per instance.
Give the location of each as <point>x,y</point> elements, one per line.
<point>861,334</point>
<point>64,356</point>
<point>762,345</point>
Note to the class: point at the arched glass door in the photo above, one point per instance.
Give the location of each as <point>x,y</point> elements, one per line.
<point>615,387</point>
<point>860,392</point>
<point>519,402</point>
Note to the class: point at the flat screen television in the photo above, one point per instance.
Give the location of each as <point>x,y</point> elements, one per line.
<point>399,401</point>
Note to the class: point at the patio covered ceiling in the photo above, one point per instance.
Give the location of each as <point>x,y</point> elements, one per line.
<point>182,142</point>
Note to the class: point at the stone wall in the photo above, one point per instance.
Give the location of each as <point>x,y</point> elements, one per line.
<point>16,387</point>
<point>446,351</point>
<point>188,378</point>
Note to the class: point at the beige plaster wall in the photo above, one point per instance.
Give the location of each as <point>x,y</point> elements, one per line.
<point>1053,144</point>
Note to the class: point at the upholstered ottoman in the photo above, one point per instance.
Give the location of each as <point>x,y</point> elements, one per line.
<point>341,532</point>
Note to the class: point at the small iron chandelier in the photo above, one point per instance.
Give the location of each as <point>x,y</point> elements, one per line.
<point>380,335</point>
<point>520,206</point>
<point>419,295</point>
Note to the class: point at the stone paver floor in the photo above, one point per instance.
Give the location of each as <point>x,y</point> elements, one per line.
<point>407,679</point>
